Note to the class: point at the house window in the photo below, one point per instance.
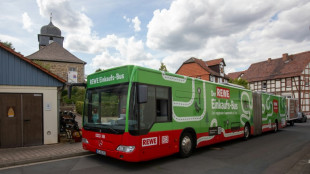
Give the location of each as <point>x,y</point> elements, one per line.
<point>211,78</point>
<point>264,84</point>
<point>288,82</point>
<point>307,81</point>
<point>220,80</point>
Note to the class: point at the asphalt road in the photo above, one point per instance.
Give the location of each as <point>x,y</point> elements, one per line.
<point>287,151</point>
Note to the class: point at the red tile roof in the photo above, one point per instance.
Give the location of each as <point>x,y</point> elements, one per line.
<point>215,62</point>
<point>287,66</point>
<point>32,63</point>
<point>235,75</point>
<point>202,64</point>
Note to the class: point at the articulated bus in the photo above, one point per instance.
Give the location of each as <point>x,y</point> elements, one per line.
<point>136,114</point>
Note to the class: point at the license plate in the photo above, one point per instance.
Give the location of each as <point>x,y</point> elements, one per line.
<point>101,152</point>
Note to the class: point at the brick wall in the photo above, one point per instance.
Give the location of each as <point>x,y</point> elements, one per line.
<point>193,70</point>
<point>61,69</point>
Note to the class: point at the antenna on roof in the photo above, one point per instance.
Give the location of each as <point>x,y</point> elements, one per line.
<point>51,17</point>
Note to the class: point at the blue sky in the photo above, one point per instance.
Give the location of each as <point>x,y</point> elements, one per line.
<point>107,33</point>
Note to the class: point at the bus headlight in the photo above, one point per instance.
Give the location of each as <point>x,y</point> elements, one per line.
<point>84,140</point>
<point>127,149</point>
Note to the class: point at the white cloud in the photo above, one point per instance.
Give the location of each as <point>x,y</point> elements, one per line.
<point>188,24</point>
<point>240,31</point>
<point>105,60</point>
<point>6,38</point>
<point>64,17</point>
<point>27,23</point>
<point>126,19</point>
<point>126,51</point>
<point>136,23</point>
<point>291,24</point>
<point>109,51</point>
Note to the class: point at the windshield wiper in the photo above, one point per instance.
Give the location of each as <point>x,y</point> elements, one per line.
<point>92,128</point>
<point>111,129</point>
<point>100,128</point>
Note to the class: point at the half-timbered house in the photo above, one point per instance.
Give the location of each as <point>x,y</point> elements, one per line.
<point>286,76</point>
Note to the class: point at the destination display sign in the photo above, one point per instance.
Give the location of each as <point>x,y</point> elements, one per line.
<point>114,76</point>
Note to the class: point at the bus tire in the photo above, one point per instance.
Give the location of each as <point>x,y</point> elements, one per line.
<point>186,145</point>
<point>247,131</point>
<point>276,128</point>
<point>292,123</point>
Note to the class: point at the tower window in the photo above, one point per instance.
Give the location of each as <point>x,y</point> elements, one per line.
<point>51,40</point>
<point>72,69</point>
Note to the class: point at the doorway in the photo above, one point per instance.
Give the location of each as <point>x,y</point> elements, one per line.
<point>21,120</point>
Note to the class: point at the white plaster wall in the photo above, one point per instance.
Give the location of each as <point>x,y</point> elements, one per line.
<point>50,119</point>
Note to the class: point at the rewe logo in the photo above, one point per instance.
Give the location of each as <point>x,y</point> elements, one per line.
<point>149,141</point>
<point>222,93</point>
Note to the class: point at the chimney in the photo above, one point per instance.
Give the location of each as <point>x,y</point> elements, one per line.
<point>269,60</point>
<point>285,57</point>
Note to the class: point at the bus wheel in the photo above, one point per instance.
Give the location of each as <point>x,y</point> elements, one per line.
<point>292,123</point>
<point>186,145</point>
<point>246,131</point>
<point>276,128</point>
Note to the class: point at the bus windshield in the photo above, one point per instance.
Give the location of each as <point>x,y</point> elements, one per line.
<point>105,109</point>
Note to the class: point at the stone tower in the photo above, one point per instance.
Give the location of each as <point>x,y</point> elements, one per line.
<point>50,33</point>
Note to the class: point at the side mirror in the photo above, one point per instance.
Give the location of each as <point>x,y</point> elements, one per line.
<point>142,94</point>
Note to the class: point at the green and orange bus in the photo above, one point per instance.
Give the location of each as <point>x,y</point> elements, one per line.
<point>136,114</point>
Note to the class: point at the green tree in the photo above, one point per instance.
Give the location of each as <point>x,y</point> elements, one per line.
<point>44,65</point>
<point>77,94</point>
<point>163,67</point>
<point>240,82</point>
<point>99,69</point>
<point>8,44</point>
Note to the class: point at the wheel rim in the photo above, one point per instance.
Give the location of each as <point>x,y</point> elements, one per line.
<point>246,132</point>
<point>186,144</point>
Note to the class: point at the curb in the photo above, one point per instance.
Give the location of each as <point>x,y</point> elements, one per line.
<point>48,158</point>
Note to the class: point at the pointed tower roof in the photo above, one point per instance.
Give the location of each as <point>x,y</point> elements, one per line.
<point>50,29</point>
<point>50,33</point>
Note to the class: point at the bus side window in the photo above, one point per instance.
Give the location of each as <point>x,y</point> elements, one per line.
<point>162,104</point>
<point>147,110</point>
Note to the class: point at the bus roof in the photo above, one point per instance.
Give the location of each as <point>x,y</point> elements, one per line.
<point>122,74</point>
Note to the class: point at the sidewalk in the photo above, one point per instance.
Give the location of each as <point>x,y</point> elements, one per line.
<point>26,155</point>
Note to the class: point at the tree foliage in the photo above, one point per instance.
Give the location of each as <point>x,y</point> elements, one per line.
<point>99,69</point>
<point>42,64</point>
<point>240,82</point>
<point>163,67</point>
<point>8,44</point>
<point>77,94</point>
